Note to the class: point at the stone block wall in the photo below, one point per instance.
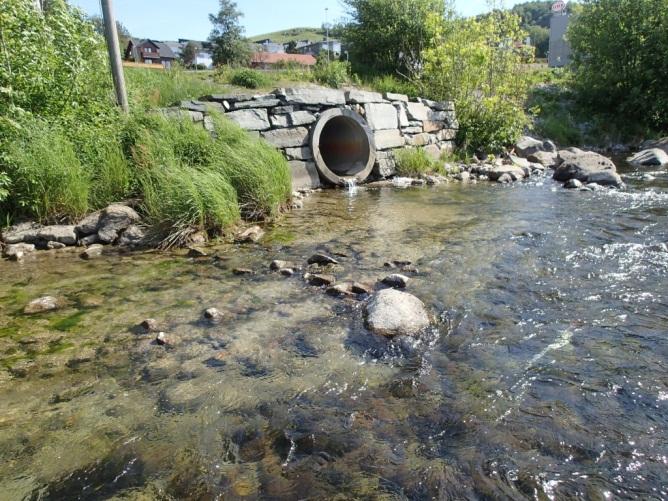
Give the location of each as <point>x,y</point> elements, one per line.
<point>285,118</point>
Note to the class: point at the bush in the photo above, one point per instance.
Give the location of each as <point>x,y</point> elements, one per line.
<point>620,54</point>
<point>390,83</point>
<point>48,183</point>
<point>334,74</point>
<point>250,79</point>
<point>414,162</point>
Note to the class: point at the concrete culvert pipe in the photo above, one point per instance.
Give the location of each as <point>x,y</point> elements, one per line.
<point>343,147</point>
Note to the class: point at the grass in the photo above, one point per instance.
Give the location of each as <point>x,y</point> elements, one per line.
<point>293,34</point>
<point>157,89</point>
<point>415,162</point>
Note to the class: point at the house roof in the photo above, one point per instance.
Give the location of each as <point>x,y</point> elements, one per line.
<point>274,58</point>
<point>163,49</point>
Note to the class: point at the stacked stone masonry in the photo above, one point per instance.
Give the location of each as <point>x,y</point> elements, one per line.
<point>286,117</point>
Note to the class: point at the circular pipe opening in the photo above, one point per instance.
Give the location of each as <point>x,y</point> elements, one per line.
<point>343,147</point>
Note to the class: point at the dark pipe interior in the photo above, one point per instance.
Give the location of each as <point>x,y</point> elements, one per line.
<point>344,146</point>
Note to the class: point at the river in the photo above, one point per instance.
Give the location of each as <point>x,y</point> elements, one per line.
<point>545,376</point>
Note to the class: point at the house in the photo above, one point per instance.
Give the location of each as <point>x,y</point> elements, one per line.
<point>316,48</point>
<point>204,56</point>
<point>268,60</point>
<point>268,46</point>
<point>149,52</point>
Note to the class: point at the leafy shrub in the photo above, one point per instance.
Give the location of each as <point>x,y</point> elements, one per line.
<point>474,62</point>
<point>53,64</point>
<point>390,83</point>
<point>334,74</point>
<point>413,162</point>
<point>5,184</point>
<point>250,79</point>
<point>48,181</point>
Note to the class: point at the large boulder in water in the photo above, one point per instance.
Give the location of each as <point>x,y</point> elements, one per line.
<point>392,313</point>
<point>115,219</point>
<point>661,144</point>
<point>654,157</point>
<point>587,167</point>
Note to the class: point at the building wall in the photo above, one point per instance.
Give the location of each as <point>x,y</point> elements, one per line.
<point>560,49</point>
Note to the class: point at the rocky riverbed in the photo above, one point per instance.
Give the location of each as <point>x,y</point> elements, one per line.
<point>535,364</point>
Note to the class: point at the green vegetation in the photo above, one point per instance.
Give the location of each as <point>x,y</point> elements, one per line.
<point>229,44</point>
<point>292,35</point>
<point>248,78</point>
<point>620,54</point>
<point>333,74</point>
<point>58,162</point>
<point>415,162</point>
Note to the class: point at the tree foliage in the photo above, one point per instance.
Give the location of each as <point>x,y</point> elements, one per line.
<point>189,54</point>
<point>389,36</point>
<point>620,58</point>
<point>534,13</point>
<point>53,64</point>
<point>229,44</point>
<point>124,34</point>
<point>478,63</point>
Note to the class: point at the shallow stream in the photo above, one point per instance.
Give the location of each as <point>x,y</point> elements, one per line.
<point>545,376</point>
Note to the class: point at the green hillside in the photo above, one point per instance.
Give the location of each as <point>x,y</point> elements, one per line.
<point>296,34</point>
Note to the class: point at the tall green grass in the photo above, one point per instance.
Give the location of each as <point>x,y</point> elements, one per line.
<point>162,88</point>
<point>415,162</point>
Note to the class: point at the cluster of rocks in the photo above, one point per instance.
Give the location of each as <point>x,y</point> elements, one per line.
<point>285,118</point>
<point>117,224</point>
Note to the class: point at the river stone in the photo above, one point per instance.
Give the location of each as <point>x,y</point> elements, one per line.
<point>322,259</point>
<point>313,96</point>
<point>242,271</point>
<point>42,305</point>
<point>573,184</point>
<point>661,144</point>
<point>545,158</point>
<point>528,146</point>
<point>278,265</point>
<point>55,245</point>
<point>654,157</point>
<point>196,253</point>
<point>213,314</point>
<point>588,167</point>
<point>381,116</point>
<point>513,172</point>
<point>150,325</point>
<point>341,290</point>
<point>287,138</point>
<point>252,235</point>
<point>62,234</point>
<point>24,232</point>
<point>89,240</point>
<point>132,237</point>
<point>320,280</point>
<point>396,281</point>
<point>92,252</point>
<point>287,272</point>
<point>89,225</point>
<point>114,220</point>
<point>14,250</point>
<point>304,175</point>
<point>255,119</point>
<point>162,339</point>
<point>393,313</point>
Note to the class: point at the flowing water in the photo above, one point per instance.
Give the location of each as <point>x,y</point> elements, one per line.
<point>544,377</point>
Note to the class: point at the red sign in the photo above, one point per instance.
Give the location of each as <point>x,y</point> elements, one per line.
<point>559,6</point>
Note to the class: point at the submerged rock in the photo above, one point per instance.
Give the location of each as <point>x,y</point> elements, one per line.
<point>287,272</point>
<point>392,313</point>
<point>42,305</point>
<point>322,259</point>
<point>150,325</point>
<point>396,281</point>
<point>243,271</point>
<point>92,252</point>
<point>162,339</point>
<point>196,253</point>
<point>573,184</point>
<point>320,280</point>
<point>13,250</point>
<point>213,314</point>
<point>278,265</point>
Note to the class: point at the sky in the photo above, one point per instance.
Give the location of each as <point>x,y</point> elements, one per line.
<point>173,19</point>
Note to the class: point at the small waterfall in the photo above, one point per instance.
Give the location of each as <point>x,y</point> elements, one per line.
<point>351,185</point>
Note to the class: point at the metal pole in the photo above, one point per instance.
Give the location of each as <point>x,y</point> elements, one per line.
<point>38,5</point>
<point>327,28</point>
<point>111,34</point>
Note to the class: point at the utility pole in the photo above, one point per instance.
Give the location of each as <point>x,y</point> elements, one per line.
<point>38,5</point>
<point>327,28</point>
<point>111,34</point>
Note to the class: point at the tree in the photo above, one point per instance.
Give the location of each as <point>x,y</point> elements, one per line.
<point>478,63</point>
<point>534,13</point>
<point>229,44</point>
<point>620,58</point>
<point>189,54</point>
<point>389,36</point>
<point>291,47</point>
<point>540,39</point>
<point>124,35</point>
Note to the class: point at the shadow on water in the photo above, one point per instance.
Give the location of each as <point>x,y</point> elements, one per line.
<point>545,375</point>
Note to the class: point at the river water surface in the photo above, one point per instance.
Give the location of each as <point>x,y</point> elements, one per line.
<point>545,376</point>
